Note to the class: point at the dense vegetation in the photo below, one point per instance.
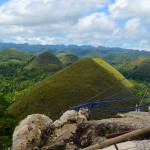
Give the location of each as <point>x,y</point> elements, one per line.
<point>69,87</point>
<point>112,55</point>
<point>15,81</point>
<point>20,71</point>
<point>141,63</point>
<point>67,58</point>
<point>45,60</point>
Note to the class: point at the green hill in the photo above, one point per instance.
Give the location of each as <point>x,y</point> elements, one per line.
<point>142,74</point>
<point>45,60</point>
<point>67,59</point>
<point>14,54</point>
<point>68,87</point>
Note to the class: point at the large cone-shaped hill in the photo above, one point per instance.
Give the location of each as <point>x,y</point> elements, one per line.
<point>69,87</point>
<point>44,60</point>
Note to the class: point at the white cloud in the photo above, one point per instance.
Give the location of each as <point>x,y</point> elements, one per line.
<point>132,24</point>
<point>34,40</point>
<point>134,29</point>
<point>95,22</point>
<point>94,1</point>
<point>130,9</point>
<point>49,18</point>
<point>144,44</point>
<point>35,12</point>
<point>140,45</point>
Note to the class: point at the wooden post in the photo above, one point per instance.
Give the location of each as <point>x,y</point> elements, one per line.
<point>118,139</point>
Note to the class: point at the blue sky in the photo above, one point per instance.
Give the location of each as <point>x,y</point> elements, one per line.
<point>112,23</point>
<point>3,1</point>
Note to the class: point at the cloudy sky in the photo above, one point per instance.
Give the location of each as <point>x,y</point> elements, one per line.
<point>113,23</point>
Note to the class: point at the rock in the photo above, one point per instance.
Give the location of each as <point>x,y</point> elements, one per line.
<point>32,132</point>
<point>58,124</point>
<point>81,120</point>
<point>83,115</point>
<point>82,136</point>
<point>37,132</point>
<point>70,115</point>
<point>84,112</point>
<point>57,146</point>
<point>61,135</point>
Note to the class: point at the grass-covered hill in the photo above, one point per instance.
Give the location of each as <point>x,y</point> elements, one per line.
<point>15,82</point>
<point>141,74</point>
<point>14,54</point>
<point>45,60</point>
<point>68,87</point>
<point>67,58</point>
<point>144,72</point>
<point>114,55</point>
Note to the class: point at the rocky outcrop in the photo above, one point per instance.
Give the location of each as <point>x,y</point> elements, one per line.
<point>32,132</point>
<point>38,131</point>
<point>35,130</point>
<point>83,116</point>
<point>72,116</point>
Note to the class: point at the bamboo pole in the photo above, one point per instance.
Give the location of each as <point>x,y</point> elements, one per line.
<point>118,139</point>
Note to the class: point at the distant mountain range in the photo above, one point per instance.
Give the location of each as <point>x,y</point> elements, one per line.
<point>112,55</point>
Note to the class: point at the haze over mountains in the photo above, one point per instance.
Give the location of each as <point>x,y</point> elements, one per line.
<point>56,48</point>
<point>112,55</point>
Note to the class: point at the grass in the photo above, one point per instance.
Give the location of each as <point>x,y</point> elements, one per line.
<point>67,59</point>
<point>142,74</point>
<point>14,54</point>
<point>43,60</point>
<point>113,71</point>
<point>68,87</point>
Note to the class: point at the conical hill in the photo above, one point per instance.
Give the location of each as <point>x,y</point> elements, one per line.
<point>68,87</point>
<point>45,59</point>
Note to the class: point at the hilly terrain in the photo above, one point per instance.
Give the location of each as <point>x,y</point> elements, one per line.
<point>113,55</point>
<point>140,62</point>
<point>16,81</point>
<point>19,71</point>
<point>44,60</point>
<point>67,58</point>
<point>69,87</point>
<point>14,54</point>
